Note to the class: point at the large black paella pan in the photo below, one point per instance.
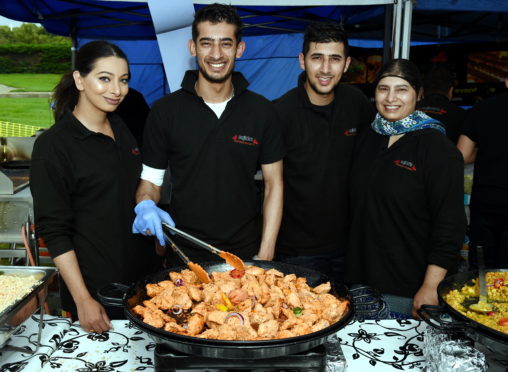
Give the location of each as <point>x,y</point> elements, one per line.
<point>436,316</point>
<point>136,294</point>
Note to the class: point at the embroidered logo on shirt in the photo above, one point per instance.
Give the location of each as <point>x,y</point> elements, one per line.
<point>350,132</point>
<point>245,140</point>
<point>135,151</point>
<point>434,110</point>
<point>405,164</point>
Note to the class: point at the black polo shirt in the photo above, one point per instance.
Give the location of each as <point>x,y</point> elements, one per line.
<point>83,186</point>
<point>407,210</point>
<point>319,142</point>
<point>440,108</point>
<point>212,162</point>
<point>486,125</point>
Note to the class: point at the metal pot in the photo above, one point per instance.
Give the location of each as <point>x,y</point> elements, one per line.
<point>436,316</point>
<point>136,294</point>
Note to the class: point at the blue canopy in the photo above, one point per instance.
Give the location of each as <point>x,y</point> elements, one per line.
<point>273,33</point>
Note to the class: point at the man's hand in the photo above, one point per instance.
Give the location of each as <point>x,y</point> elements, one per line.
<point>149,220</point>
<point>92,316</point>
<point>425,295</point>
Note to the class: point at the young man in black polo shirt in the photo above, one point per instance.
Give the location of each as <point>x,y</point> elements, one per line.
<point>320,118</point>
<point>438,92</point>
<point>483,141</point>
<point>214,133</point>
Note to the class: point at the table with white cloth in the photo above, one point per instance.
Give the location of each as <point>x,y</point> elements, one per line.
<point>382,345</point>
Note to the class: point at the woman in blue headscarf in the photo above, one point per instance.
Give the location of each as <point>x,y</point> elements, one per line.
<point>408,220</point>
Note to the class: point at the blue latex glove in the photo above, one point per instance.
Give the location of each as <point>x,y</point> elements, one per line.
<point>150,217</point>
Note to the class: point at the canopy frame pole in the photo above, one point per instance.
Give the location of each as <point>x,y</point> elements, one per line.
<point>397,20</point>
<point>406,29</point>
<point>387,37</point>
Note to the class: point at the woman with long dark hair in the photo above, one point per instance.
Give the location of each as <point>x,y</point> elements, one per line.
<point>408,219</point>
<point>84,175</point>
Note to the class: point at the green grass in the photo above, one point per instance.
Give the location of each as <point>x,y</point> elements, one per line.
<point>32,111</point>
<point>30,82</point>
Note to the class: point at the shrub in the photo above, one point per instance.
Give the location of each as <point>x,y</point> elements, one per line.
<point>35,58</point>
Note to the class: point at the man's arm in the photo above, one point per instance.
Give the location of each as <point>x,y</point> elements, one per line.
<point>427,294</point>
<point>468,148</point>
<point>149,217</point>
<point>148,191</point>
<point>272,208</point>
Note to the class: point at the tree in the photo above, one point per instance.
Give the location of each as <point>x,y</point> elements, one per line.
<point>29,33</point>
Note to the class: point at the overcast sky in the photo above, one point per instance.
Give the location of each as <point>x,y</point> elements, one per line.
<point>9,22</point>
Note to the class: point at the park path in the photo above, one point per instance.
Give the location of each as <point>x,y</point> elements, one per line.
<point>5,92</point>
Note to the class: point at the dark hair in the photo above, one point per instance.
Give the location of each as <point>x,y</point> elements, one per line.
<point>217,13</point>
<point>404,69</point>
<point>439,79</point>
<point>65,94</point>
<point>324,32</point>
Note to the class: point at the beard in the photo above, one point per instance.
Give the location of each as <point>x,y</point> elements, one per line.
<point>213,79</point>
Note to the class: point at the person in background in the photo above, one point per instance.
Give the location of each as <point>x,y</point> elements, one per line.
<point>134,110</point>
<point>408,219</point>
<point>214,133</point>
<point>436,102</point>
<point>320,119</point>
<point>483,142</point>
<point>83,178</point>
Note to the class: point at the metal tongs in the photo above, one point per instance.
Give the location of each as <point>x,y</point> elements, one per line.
<point>196,268</point>
<point>230,258</point>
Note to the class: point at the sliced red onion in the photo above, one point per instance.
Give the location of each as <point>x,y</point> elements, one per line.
<point>179,282</point>
<point>176,309</point>
<point>236,315</point>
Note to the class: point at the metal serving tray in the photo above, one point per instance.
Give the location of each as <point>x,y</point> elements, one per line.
<point>15,314</point>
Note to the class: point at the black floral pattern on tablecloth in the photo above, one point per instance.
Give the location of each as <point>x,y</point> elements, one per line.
<point>379,344</point>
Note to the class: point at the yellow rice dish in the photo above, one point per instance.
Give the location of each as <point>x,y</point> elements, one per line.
<point>497,292</point>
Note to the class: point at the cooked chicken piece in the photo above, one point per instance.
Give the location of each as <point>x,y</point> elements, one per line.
<point>260,315</point>
<point>289,278</point>
<point>226,332</point>
<point>254,270</point>
<point>301,283</point>
<point>174,327</point>
<point>274,272</point>
<point>333,309</point>
<point>195,292</point>
<point>181,297</point>
<point>268,329</point>
<point>265,293</point>
<point>246,304</point>
<point>189,277</point>
<point>322,324</point>
<point>308,318</point>
<point>216,317</point>
<point>252,286</point>
<point>228,286</point>
<point>293,300</point>
<point>149,317</point>
<point>175,276</point>
<point>212,334</point>
<point>237,295</point>
<point>166,283</point>
<point>152,307</point>
<point>163,302</point>
<point>244,332</point>
<point>153,290</point>
<point>221,276</point>
<point>270,280</point>
<point>202,308</point>
<point>212,294</point>
<point>322,288</point>
<point>195,324</point>
<point>301,329</point>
